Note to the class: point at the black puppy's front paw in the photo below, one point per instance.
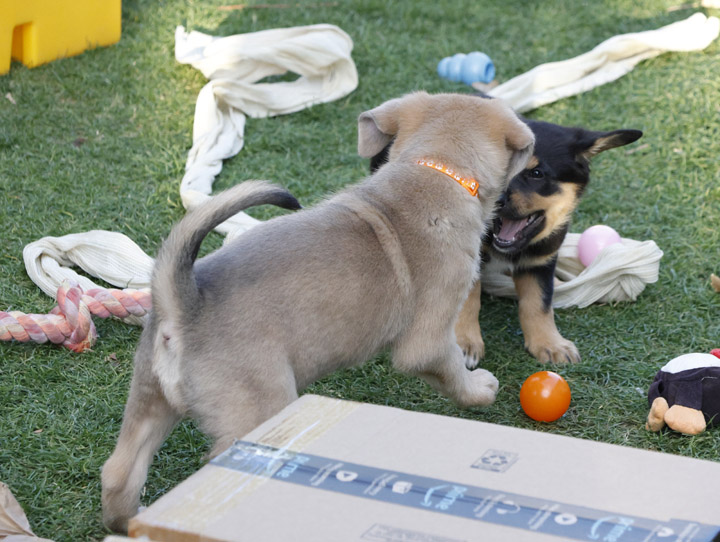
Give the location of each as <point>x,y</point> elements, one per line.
<point>559,351</point>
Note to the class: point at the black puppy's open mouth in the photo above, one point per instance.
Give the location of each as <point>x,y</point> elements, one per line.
<point>512,235</point>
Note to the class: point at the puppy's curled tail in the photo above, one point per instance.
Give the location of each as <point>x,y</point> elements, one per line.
<point>173,283</point>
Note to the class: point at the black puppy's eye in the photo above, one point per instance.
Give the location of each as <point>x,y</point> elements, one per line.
<point>536,173</point>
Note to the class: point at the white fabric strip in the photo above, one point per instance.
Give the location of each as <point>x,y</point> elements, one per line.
<point>610,60</point>
<point>110,256</point>
<point>619,273</point>
<point>319,54</point>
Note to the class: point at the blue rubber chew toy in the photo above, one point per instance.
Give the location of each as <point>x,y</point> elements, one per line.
<point>471,68</point>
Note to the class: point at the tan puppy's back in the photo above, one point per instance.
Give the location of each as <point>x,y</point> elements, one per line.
<point>315,286</point>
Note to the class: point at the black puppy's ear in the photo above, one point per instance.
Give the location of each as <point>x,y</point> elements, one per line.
<point>593,143</point>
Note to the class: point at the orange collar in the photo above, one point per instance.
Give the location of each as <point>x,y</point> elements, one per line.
<point>471,185</point>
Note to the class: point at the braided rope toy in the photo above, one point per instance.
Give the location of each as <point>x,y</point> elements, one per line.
<point>70,323</point>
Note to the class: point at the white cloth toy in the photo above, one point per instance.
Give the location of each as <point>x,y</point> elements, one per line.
<point>319,54</point>
<point>620,272</point>
<point>110,256</point>
<point>610,60</point>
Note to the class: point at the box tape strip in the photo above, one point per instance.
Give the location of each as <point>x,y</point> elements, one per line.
<point>471,502</point>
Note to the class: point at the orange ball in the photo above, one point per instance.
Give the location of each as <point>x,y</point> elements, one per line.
<point>545,396</point>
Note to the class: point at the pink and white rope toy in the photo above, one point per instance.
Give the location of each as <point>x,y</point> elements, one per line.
<point>70,322</point>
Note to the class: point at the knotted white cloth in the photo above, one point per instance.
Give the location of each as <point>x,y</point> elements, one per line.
<point>110,256</point>
<point>319,54</point>
<point>620,272</point>
<point>610,60</point>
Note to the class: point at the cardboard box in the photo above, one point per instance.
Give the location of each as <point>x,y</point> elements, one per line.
<point>331,470</point>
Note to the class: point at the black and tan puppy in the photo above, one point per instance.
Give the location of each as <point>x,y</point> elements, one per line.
<point>532,220</point>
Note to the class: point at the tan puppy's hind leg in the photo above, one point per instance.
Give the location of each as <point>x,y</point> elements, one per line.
<point>146,424</point>
<point>228,425</point>
<point>237,410</point>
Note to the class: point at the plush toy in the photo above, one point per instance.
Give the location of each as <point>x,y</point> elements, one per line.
<point>685,394</point>
<point>715,281</point>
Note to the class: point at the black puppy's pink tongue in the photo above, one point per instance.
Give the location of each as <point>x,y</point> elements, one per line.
<point>510,228</point>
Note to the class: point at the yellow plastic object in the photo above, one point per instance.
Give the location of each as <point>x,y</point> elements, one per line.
<point>39,31</point>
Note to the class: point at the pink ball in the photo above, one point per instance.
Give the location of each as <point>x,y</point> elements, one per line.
<point>593,240</point>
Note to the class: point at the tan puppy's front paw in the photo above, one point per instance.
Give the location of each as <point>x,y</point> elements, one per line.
<point>482,389</point>
<point>559,350</point>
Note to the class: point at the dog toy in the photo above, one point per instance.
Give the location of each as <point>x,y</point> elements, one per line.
<point>70,323</point>
<point>545,396</point>
<point>715,282</point>
<point>471,68</point>
<point>685,394</point>
<point>593,240</point>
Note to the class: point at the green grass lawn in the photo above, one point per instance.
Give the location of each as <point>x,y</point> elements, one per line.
<point>99,141</point>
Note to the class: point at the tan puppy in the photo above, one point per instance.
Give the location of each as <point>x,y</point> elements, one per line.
<point>386,263</point>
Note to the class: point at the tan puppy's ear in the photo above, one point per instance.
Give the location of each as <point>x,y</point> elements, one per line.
<point>521,141</point>
<point>377,127</point>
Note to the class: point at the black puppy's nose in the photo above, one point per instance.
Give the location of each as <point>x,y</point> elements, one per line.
<point>502,200</point>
